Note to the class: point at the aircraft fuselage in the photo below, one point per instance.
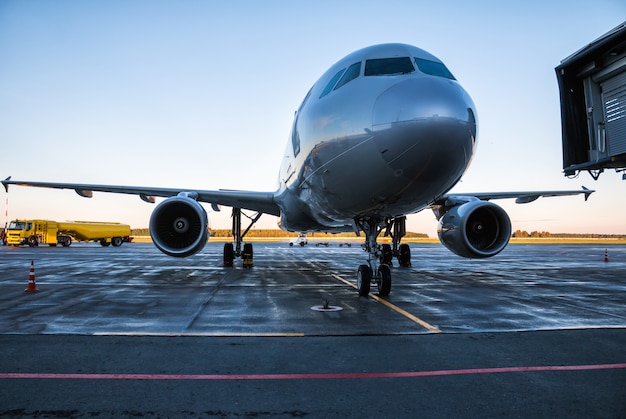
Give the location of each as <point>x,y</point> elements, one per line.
<point>396,135</point>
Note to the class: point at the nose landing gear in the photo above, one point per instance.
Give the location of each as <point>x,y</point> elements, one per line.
<point>380,257</point>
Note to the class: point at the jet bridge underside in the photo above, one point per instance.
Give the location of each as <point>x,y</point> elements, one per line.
<point>592,84</point>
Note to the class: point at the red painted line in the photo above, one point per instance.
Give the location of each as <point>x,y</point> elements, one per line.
<point>308,376</point>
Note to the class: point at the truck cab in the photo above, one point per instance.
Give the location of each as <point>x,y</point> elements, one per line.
<point>52,233</point>
<point>35,232</point>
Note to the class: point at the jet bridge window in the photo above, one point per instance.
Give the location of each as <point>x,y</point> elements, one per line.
<point>352,73</point>
<point>433,68</point>
<point>331,83</point>
<point>388,66</point>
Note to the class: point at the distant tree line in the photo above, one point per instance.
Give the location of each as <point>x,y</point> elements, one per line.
<point>265,233</point>
<point>545,234</point>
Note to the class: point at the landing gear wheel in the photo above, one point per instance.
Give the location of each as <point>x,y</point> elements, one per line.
<point>247,255</point>
<point>364,279</point>
<point>404,258</point>
<point>386,255</point>
<point>384,280</point>
<point>229,254</point>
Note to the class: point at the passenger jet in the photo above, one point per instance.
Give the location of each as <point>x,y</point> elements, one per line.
<point>387,131</point>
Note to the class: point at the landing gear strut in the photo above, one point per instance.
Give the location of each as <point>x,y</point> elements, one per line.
<point>380,257</point>
<point>231,251</point>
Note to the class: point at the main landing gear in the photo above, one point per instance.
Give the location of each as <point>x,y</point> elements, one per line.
<point>234,250</point>
<point>380,257</point>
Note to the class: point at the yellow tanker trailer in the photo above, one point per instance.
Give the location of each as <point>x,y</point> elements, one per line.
<point>36,232</point>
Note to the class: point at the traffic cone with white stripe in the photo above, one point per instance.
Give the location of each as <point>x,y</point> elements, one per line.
<point>32,287</point>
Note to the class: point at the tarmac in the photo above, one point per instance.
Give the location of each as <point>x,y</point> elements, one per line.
<point>537,331</point>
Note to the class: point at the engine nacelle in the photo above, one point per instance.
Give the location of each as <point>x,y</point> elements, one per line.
<point>476,229</point>
<point>178,226</point>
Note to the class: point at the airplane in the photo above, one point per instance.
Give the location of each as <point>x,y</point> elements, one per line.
<point>385,132</point>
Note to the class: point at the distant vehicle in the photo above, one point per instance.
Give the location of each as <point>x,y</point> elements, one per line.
<point>301,240</point>
<point>52,233</point>
<point>385,132</point>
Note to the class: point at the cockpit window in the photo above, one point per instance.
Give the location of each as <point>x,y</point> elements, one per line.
<point>331,83</point>
<point>388,66</point>
<point>352,73</point>
<point>433,68</point>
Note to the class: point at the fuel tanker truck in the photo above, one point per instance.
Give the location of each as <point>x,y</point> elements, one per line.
<point>36,232</point>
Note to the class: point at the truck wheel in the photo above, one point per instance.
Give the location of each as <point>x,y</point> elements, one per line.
<point>32,241</point>
<point>116,241</point>
<point>66,242</point>
<point>104,243</point>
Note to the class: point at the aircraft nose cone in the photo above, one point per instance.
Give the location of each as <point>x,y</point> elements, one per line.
<point>425,130</point>
<point>416,99</point>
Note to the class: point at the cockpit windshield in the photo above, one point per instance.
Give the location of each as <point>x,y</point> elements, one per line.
<point>331,83</point>
<point>433,68</point>
<point>388,66</point>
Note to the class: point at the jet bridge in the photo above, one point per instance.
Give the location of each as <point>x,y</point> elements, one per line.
<point>592,85</point>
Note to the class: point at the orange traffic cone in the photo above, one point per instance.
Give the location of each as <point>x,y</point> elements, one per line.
<point>32,287</point>
<point>606,255</point>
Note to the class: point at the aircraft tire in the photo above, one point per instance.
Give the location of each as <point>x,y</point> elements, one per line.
<point>247,250</point>
<point>384,280</point>
<point>363,280</point>
<point>229,254</point>
<point>386,255</point>
<point>404,258</point>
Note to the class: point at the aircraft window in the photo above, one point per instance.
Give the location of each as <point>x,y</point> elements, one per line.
<point>352,73</point>
<point>295,136</point>
<point>388,66</point>
<point>433,68</point>
<point>332,83</point>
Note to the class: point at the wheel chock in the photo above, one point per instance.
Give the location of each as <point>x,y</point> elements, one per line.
<point>247,260</point>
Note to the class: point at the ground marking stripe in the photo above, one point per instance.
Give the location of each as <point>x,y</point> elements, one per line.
<point>200,334</point>
<point>394,307</point>
<point>217,377</point>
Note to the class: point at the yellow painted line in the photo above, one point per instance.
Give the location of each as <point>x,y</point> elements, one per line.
<point>394,307</point>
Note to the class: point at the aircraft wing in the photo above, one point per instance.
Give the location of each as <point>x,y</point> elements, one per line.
<point>520,197</point>
<point>255,201</point>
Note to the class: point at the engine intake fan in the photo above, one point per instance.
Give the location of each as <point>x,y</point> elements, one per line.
<point>476,229</point>
<point>178,226</point>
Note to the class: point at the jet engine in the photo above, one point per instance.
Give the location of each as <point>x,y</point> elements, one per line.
<point>476,229</point>
<point>178,226</point>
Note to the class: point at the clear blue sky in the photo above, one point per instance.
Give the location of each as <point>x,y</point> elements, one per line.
<point>201,94</point>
